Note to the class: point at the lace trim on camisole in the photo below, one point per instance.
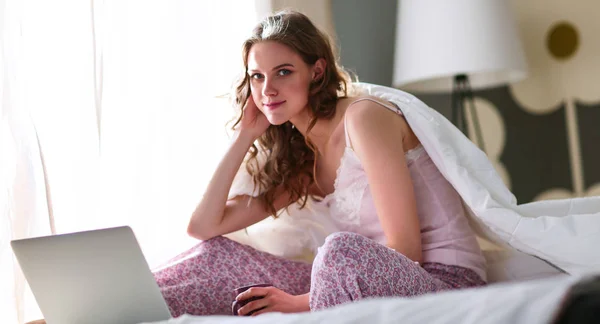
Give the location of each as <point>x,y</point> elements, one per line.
<point>348,199</point>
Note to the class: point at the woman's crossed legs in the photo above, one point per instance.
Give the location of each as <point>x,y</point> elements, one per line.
<point>348,267</point>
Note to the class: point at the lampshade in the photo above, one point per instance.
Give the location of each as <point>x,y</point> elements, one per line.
<point>438,39</point>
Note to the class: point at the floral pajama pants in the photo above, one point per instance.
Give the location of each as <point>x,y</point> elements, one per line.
<point>348,267</point>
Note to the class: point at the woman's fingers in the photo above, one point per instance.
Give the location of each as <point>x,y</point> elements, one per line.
<point>253,119</point>
<point>256,305</point>
<point>253,292</point>
<point>262,311</point>
<point>251,107</point>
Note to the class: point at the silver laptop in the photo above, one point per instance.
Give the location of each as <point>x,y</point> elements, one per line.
<point>93,277</point>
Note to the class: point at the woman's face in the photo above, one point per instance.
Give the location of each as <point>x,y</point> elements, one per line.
<point>279,80</point>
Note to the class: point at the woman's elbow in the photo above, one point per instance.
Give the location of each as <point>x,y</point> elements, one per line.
<point>194,231</point>
<point>191,230</point>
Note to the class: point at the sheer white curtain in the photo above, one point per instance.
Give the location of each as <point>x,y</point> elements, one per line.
<point>110,117</point>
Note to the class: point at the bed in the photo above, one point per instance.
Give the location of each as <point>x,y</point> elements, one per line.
<point>528,302</point>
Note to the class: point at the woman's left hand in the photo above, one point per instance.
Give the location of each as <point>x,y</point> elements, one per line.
<point>273,300</point>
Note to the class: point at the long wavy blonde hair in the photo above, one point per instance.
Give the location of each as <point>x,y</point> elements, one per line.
<point>290,157</point>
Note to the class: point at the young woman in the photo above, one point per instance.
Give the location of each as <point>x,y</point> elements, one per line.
<point>403,229</point>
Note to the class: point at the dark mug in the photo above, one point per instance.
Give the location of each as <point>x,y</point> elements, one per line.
<point>239,304</point>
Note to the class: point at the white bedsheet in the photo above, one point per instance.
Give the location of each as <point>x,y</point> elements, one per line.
<point>532,302</point>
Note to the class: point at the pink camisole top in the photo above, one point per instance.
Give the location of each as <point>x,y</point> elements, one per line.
<point>446,236</point>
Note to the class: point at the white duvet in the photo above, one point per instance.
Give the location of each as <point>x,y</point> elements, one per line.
<point>539,239</point>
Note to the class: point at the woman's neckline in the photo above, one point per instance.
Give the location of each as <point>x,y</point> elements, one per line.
<point>348,147</point>
<point>410,155</point>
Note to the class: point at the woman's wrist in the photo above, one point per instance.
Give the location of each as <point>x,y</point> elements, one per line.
<point>303,302</point>
<point>244,136</point>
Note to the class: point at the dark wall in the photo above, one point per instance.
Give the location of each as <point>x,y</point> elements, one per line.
<point>366,32</point>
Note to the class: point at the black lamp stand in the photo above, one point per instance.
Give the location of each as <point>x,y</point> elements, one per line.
<point>462,98</point>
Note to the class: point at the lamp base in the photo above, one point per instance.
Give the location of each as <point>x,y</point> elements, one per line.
<point>461,94</point>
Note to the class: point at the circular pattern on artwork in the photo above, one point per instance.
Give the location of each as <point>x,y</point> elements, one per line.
<point>562,40</point>
<point>562,46</point>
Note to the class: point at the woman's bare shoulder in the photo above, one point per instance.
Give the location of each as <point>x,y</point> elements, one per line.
<point>360,97</point>
<point>409,138</point>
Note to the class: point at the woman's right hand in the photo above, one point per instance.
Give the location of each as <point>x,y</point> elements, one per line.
<point>253,122</point>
